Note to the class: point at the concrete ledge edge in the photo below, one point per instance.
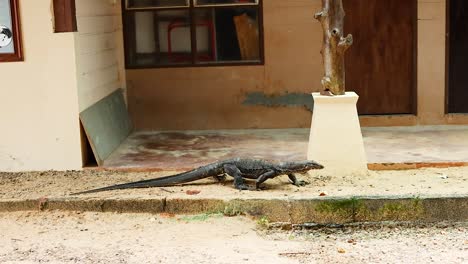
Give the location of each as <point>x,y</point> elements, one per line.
<point>319,210</point>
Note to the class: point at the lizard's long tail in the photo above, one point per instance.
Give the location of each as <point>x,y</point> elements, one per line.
<point>213,169</point>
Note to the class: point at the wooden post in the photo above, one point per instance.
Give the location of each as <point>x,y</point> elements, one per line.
<point>334,46</point>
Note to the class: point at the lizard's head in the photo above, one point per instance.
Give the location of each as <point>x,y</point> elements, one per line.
<point>299,166</point>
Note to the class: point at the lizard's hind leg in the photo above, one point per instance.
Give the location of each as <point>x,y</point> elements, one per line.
<point>220,178</point>
<point>233,171</point>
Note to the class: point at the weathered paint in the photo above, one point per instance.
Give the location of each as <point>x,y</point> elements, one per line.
<point>285,100</point>
<point>215,97</point>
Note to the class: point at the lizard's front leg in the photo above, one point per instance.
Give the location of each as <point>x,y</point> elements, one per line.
<point>295,181</point>
<point>233,171</point>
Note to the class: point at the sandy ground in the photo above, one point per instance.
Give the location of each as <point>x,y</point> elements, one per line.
<point>68,237</point>
<point>428,182</point>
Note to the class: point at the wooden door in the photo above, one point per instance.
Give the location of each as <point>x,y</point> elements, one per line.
<point>380,66</point>
<point>458,57</point>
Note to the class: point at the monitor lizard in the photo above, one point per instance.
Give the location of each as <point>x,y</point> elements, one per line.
<point>239,168</point>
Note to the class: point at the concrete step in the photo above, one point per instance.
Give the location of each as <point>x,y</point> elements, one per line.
<point>319,210</point>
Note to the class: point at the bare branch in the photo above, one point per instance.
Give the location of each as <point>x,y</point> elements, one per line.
<point>334,45</point>
<point>320,15</point>
<point>345,43</point>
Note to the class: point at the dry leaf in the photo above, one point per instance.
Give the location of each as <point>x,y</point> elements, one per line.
<point>167,215</point>
<point>192,192</point>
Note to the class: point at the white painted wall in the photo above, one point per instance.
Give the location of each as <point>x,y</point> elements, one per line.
<point>62,75</point>
<point>39,107</point>
<point>99,50</point>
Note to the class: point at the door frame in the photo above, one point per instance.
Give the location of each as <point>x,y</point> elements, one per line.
<point>415,58</point>
<point>447,59</point>
<point>447,55</point>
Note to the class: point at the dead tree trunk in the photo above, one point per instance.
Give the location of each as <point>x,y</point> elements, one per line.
<point>334,45</point>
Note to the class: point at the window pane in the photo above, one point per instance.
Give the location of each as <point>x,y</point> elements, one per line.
<point>224,2</point>
<point>227,35</point>
<point>160,38</point>
<point>135,4</point>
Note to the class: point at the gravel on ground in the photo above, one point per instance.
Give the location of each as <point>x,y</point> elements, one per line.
<point>76,237</point>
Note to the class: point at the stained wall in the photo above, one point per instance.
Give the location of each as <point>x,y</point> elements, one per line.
<point>218,97</point>
<point>240,96</point>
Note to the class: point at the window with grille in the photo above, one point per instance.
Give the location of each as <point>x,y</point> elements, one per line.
<point>161,33</point>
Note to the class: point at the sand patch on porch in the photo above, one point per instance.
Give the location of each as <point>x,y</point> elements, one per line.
<point>426,182</point>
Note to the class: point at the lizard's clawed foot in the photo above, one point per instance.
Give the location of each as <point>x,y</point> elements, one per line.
<point>243,187</point>
<point>301,183</point>
<point>259,188</point>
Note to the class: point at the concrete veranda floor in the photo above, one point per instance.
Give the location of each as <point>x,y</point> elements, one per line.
<point>386,148</point>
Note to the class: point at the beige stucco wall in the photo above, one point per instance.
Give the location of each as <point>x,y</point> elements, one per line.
<point>62,75</point>
<point>431,60</point>
<point>39,107</point>
<point>212,97</point>
<point>99,50</point>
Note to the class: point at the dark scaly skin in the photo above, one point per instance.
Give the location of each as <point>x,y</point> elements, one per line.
<point>238,168</point>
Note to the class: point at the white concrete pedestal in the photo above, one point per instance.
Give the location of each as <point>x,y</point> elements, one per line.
<point>335,135</point>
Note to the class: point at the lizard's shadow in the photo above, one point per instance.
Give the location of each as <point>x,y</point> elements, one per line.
<point>229,184</point>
